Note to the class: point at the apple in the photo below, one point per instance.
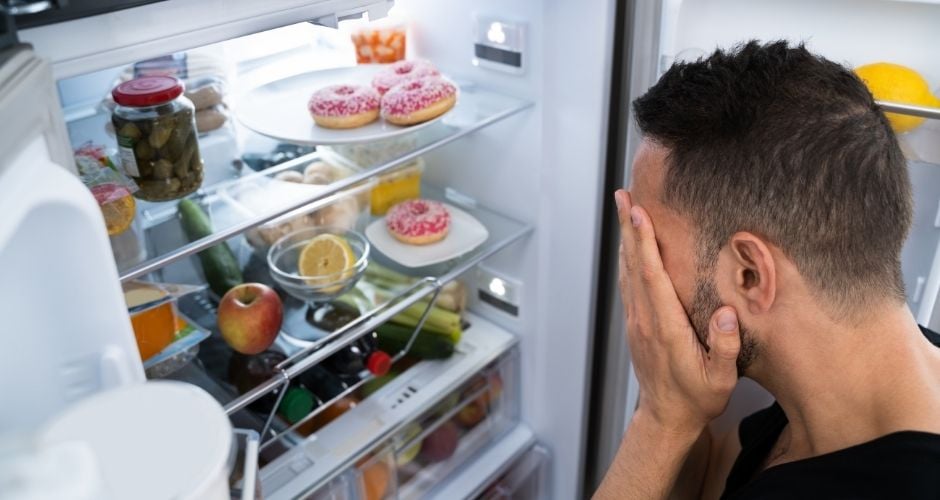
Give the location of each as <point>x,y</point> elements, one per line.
<point>441,443</point>
<point>250,317</point>
<point>472,414</point>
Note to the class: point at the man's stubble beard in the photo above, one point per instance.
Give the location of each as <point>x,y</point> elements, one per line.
<point>704,304</point>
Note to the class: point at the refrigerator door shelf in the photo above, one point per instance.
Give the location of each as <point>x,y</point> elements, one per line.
<point>152,30</point>
<point>323,456</point>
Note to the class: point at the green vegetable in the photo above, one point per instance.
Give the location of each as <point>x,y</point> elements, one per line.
<point>393,338</point>
<point>218,263</point>
<point>439,321</point>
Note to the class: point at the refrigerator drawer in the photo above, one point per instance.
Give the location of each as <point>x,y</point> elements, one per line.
<point>527,479</point>
<point>428,449</point>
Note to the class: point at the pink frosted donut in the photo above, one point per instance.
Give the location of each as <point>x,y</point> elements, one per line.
<point>418,222</point>
<point>344,106</point>
<point>419,100</point>
<point>402,71</point>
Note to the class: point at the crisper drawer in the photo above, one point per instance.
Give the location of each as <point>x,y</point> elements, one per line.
<point>525,480</point>
<point>429,448</point>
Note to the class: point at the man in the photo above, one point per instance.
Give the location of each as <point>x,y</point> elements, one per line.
<point>780,201</point>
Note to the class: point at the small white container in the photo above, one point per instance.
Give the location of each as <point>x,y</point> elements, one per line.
<point>153,441</point>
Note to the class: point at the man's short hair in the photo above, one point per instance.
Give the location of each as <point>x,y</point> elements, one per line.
<point>775,140</point>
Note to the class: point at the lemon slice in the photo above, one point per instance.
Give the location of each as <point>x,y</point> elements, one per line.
<point>323,261</point>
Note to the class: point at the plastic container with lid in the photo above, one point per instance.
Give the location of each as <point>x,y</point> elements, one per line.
<point>381,41</point>
<point>156,134</point>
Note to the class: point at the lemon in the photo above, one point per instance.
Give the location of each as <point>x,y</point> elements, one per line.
<point>324,260</point>
<point>896,83</point>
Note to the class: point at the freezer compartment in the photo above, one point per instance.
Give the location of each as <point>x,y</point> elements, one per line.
<point>527,479</point>
<point>408,407</point>
<point>430,447</point>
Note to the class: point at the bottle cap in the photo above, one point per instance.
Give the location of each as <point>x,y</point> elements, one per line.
<point>147,91</point>
<point>297,403</point>
<point>379,363</point>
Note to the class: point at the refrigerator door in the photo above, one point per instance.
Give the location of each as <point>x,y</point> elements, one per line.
<point>66,330</point>
<point>664,31</point>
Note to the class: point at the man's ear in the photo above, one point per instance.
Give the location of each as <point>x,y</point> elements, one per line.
<point>755,273</point>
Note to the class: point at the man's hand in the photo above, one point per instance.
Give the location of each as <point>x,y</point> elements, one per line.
<point>682,386</point>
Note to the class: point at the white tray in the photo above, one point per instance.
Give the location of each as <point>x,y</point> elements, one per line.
<point>279,110</point>
<point>465,234</point>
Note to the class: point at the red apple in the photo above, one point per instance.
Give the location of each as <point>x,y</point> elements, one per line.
<point>250,317</point>
<point>472,414</point>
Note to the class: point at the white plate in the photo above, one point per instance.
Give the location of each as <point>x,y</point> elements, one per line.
<point>279,109</point>
<point>465,234</point>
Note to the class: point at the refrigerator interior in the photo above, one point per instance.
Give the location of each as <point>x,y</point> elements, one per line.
<point>525,157</point>
<point>847,31</point>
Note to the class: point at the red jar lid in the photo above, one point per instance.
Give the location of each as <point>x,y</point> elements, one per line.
<point>147,91</point>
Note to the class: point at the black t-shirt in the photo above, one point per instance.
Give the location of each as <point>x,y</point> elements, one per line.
<point>900,465</point>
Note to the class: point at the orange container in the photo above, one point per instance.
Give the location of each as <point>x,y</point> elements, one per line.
<point>382,41</point>
<point>153,317</point>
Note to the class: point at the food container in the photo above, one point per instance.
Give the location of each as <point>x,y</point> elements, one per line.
<point>403,183</point>
<point>165,338</point>
<point>381,41</point>
<point>371,154</point>
<point>348,209</point>
<point>153,317</point>
<point>156,134</point>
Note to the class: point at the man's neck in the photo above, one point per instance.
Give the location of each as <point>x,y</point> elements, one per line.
<point>843,385</point>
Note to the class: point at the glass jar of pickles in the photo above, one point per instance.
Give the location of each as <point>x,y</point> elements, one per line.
<point>156,134</point>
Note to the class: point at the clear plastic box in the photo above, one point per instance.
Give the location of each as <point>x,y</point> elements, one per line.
<point>348,209</point>
<point>440,441</point>
<point>525,480</point>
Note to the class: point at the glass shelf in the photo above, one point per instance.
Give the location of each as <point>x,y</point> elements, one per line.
<point>157,239</point>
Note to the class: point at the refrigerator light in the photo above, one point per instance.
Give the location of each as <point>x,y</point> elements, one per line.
<point>499,44</point>
<point>498,287</point>
<point>496,33</point>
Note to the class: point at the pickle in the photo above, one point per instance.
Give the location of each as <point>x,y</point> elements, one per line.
<point>146,168</point>
<point>143,151</point>
<point>160,133</point>
<point>162,169</point>
<point>130,131</point>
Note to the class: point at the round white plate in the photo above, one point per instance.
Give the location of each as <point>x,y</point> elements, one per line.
<point>465,234</point>
<point>279,110</point>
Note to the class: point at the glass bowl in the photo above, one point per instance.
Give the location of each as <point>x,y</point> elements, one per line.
<point>284,255</point>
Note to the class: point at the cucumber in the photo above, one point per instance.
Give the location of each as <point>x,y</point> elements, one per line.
<point>393,338</point>
<point>218,263</point>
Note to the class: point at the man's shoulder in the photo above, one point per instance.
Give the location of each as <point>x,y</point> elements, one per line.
<point>899,465</point>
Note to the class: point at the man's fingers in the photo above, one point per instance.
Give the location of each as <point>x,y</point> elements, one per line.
<point>649,271</point>
<point>627,240</point>
<point>724,342</point>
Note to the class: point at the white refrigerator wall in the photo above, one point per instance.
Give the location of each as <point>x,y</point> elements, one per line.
<point>545,167</point>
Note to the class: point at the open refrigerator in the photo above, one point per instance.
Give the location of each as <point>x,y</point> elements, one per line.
<point>523,152</point>
<point>650,37</point>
